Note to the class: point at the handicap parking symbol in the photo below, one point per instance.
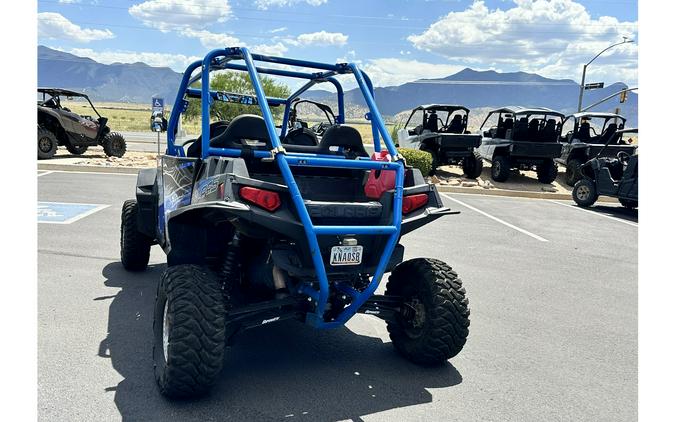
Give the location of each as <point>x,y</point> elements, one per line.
<point>65,213</point>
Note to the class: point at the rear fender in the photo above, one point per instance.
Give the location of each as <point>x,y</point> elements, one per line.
<point>147,197</point>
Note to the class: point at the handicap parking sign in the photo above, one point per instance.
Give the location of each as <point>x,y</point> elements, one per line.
<point>65,213</point>
<point>157,105</point>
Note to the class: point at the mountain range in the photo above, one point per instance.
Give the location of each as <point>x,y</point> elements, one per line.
<point>138,82</point>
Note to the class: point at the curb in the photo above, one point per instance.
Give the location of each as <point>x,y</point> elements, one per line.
<point>92,169</point>
<point>441,188</point>
<point>515,193</point>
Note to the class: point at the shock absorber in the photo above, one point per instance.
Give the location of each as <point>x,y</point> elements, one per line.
<point>229,269</point>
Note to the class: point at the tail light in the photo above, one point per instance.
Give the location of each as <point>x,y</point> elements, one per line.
<point>413,202</point>
<point>260,197</point>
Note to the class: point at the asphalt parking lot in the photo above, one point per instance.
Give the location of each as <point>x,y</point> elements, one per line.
<point>553,336</point>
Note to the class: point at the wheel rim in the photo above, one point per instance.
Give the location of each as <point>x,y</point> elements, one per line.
<point>413,316</point>
<point>45,144</point>
<point>583,192</point>
<point>165,330</point>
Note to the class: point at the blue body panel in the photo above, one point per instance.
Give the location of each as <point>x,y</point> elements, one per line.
<point>223,59</point>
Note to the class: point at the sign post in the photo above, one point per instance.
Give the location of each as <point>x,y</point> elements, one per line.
<point>157,120</point>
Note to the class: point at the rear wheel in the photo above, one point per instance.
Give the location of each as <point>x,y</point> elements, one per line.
<point>114,145</point>
<point>547,171</point>
<point>573,172</point>
<point>47,143</point>
<point>134,245</point>
<point>585,193</point>
<point>501,168</point>
<point>76,149</point>
<point>189,330</point>
<point>628,203</point>
<point>472,166</point>
<point>433,323</point>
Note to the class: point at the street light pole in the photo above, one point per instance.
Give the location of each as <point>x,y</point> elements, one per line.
<point>583,74</point>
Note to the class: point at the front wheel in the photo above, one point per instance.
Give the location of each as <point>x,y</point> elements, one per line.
<point>47,143</point>
<point>585,193</point>
<point>189,330</point>
<point>114,145</point>
<point>501,168</point>
<point>433,322</point>
<point>134,245</point>
<point>547,171</point>
<point>472,166</point>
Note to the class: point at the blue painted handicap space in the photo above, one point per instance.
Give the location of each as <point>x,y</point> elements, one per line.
<point>65,213</point>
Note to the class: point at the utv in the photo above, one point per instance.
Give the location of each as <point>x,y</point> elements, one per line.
<point>444,136</point>
<point>257,231</point>
<point>58,126</point>
<point>616,177</point>
<point>522,138</point>
<point>582,141</point>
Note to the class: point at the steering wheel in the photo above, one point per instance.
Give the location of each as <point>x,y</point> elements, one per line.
<point>623,157</point>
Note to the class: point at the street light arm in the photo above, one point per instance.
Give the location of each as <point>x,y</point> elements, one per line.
<point>613,45</point>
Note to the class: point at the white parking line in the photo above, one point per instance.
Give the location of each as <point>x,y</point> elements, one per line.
<point>620,220</point>
<point>44,173</point>
<point>499,220</point>
<point>89,172</point>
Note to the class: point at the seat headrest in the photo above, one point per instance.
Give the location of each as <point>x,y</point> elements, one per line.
<point>342,136</point>
<point>244,126</point>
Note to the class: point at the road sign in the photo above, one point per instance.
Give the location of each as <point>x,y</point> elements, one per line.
<point>157,105</point>
<point>595,85</point>
<point>65,213</point>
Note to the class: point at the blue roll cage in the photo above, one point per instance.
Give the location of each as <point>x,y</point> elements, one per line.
<point>221,59</point>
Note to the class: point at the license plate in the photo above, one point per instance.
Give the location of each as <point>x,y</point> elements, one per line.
<point>346,255</point>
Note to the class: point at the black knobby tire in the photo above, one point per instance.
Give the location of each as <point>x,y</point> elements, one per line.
<point>134,245</point>
<point>114,145</point>
<point>440,330</point>
<point>434,161</point>
<point>585,193</point>
<point>76,149</point>
<point>472,166</point>
<point>47,143</point>
<point>547,171</point>
<point>501,168</point>
<point>628,203</point>
<point>196,307</point>
<point>573,171</point>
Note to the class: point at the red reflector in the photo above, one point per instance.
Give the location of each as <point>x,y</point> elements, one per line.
<point>413,202</point>
<point>260,197</point>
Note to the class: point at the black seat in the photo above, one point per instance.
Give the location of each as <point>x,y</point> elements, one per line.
<point>533,130</point>
<point>608,133</point>
<point>548,133</point>
<point>520,129</point>
<point>584,131</point>
<point>455,124</point>
<point>345,137</point>
<point>432,122</point>
<point>195,149</point>
<point>301,136</point>
<point>245,127</point>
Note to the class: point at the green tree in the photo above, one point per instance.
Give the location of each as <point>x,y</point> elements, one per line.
<point>240,83</point>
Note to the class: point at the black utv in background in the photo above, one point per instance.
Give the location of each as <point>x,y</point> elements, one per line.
<point>442,132</point>
<point>58,126</point>
<point>609,176</point>
<point>522,138</point>
<point>587,133</point>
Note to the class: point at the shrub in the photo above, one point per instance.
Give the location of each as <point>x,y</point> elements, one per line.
<point>418,159</point>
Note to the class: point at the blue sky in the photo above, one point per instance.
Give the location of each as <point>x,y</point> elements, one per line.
<point>395,41</point>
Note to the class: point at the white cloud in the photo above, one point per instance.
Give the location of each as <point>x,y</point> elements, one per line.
<point>554,38</point>
<point>322,38</point>
<point>277,49</point>
<point>177,62</point>
<point>276,30</point>
<point>266,4</point>
<point>56,26</point>
<point>174,14</point>
<point>69,1</point>
<point>211,39</point>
